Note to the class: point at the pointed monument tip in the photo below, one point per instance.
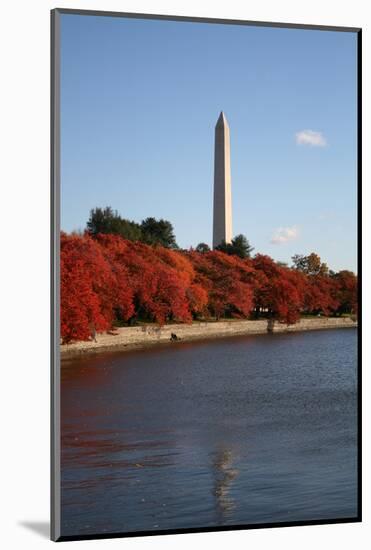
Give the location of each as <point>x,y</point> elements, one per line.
<point>222,120</point>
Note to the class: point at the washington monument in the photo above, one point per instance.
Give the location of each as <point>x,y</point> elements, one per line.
<point>222,224</point>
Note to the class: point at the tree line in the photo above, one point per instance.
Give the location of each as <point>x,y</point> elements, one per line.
<point>108,279</point>
<point>150,231</point>
<point>155,232</point>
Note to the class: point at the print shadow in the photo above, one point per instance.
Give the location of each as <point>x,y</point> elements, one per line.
<point>41,528</point>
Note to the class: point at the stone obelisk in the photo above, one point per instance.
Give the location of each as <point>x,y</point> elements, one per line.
<point>222,223</point>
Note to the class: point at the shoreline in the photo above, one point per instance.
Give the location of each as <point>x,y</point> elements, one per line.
<point>129,338</point>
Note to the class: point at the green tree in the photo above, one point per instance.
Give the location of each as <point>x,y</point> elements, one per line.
<point>150,231</point>
<point>311,264</point>
<point>106,220</point>
<point>158,232</point>
<point>202,247</point>
<point>239,246</point>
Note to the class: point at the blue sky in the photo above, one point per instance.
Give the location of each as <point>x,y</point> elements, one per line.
<point>139,103</point>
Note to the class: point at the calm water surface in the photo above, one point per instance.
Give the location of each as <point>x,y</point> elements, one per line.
<point>241,430</point>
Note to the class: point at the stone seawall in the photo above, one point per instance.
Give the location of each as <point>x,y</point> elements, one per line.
<point>132,337</point>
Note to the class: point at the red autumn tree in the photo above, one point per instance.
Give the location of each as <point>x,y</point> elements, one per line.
<point>227,281</point>
<point>196,295</point>
<point>320,295</point>
<point>198,299</point>
<point>160,290</point>
<point>279,291</point>
<point>90,289</point>
<point>346,290</point>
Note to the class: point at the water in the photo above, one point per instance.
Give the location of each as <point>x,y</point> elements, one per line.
<point>242,430</point>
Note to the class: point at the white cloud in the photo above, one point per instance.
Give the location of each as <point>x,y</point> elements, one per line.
<point>284,234</point>
<point>310,137</point>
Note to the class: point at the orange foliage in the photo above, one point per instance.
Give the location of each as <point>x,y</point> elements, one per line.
<point>90,289</point>
<point>227,280</point>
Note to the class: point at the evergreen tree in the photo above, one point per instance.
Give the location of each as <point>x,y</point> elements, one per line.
<point>202,247</point>
<point>108,221</point>
<point>158,232</point>
<point>239,246</point>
